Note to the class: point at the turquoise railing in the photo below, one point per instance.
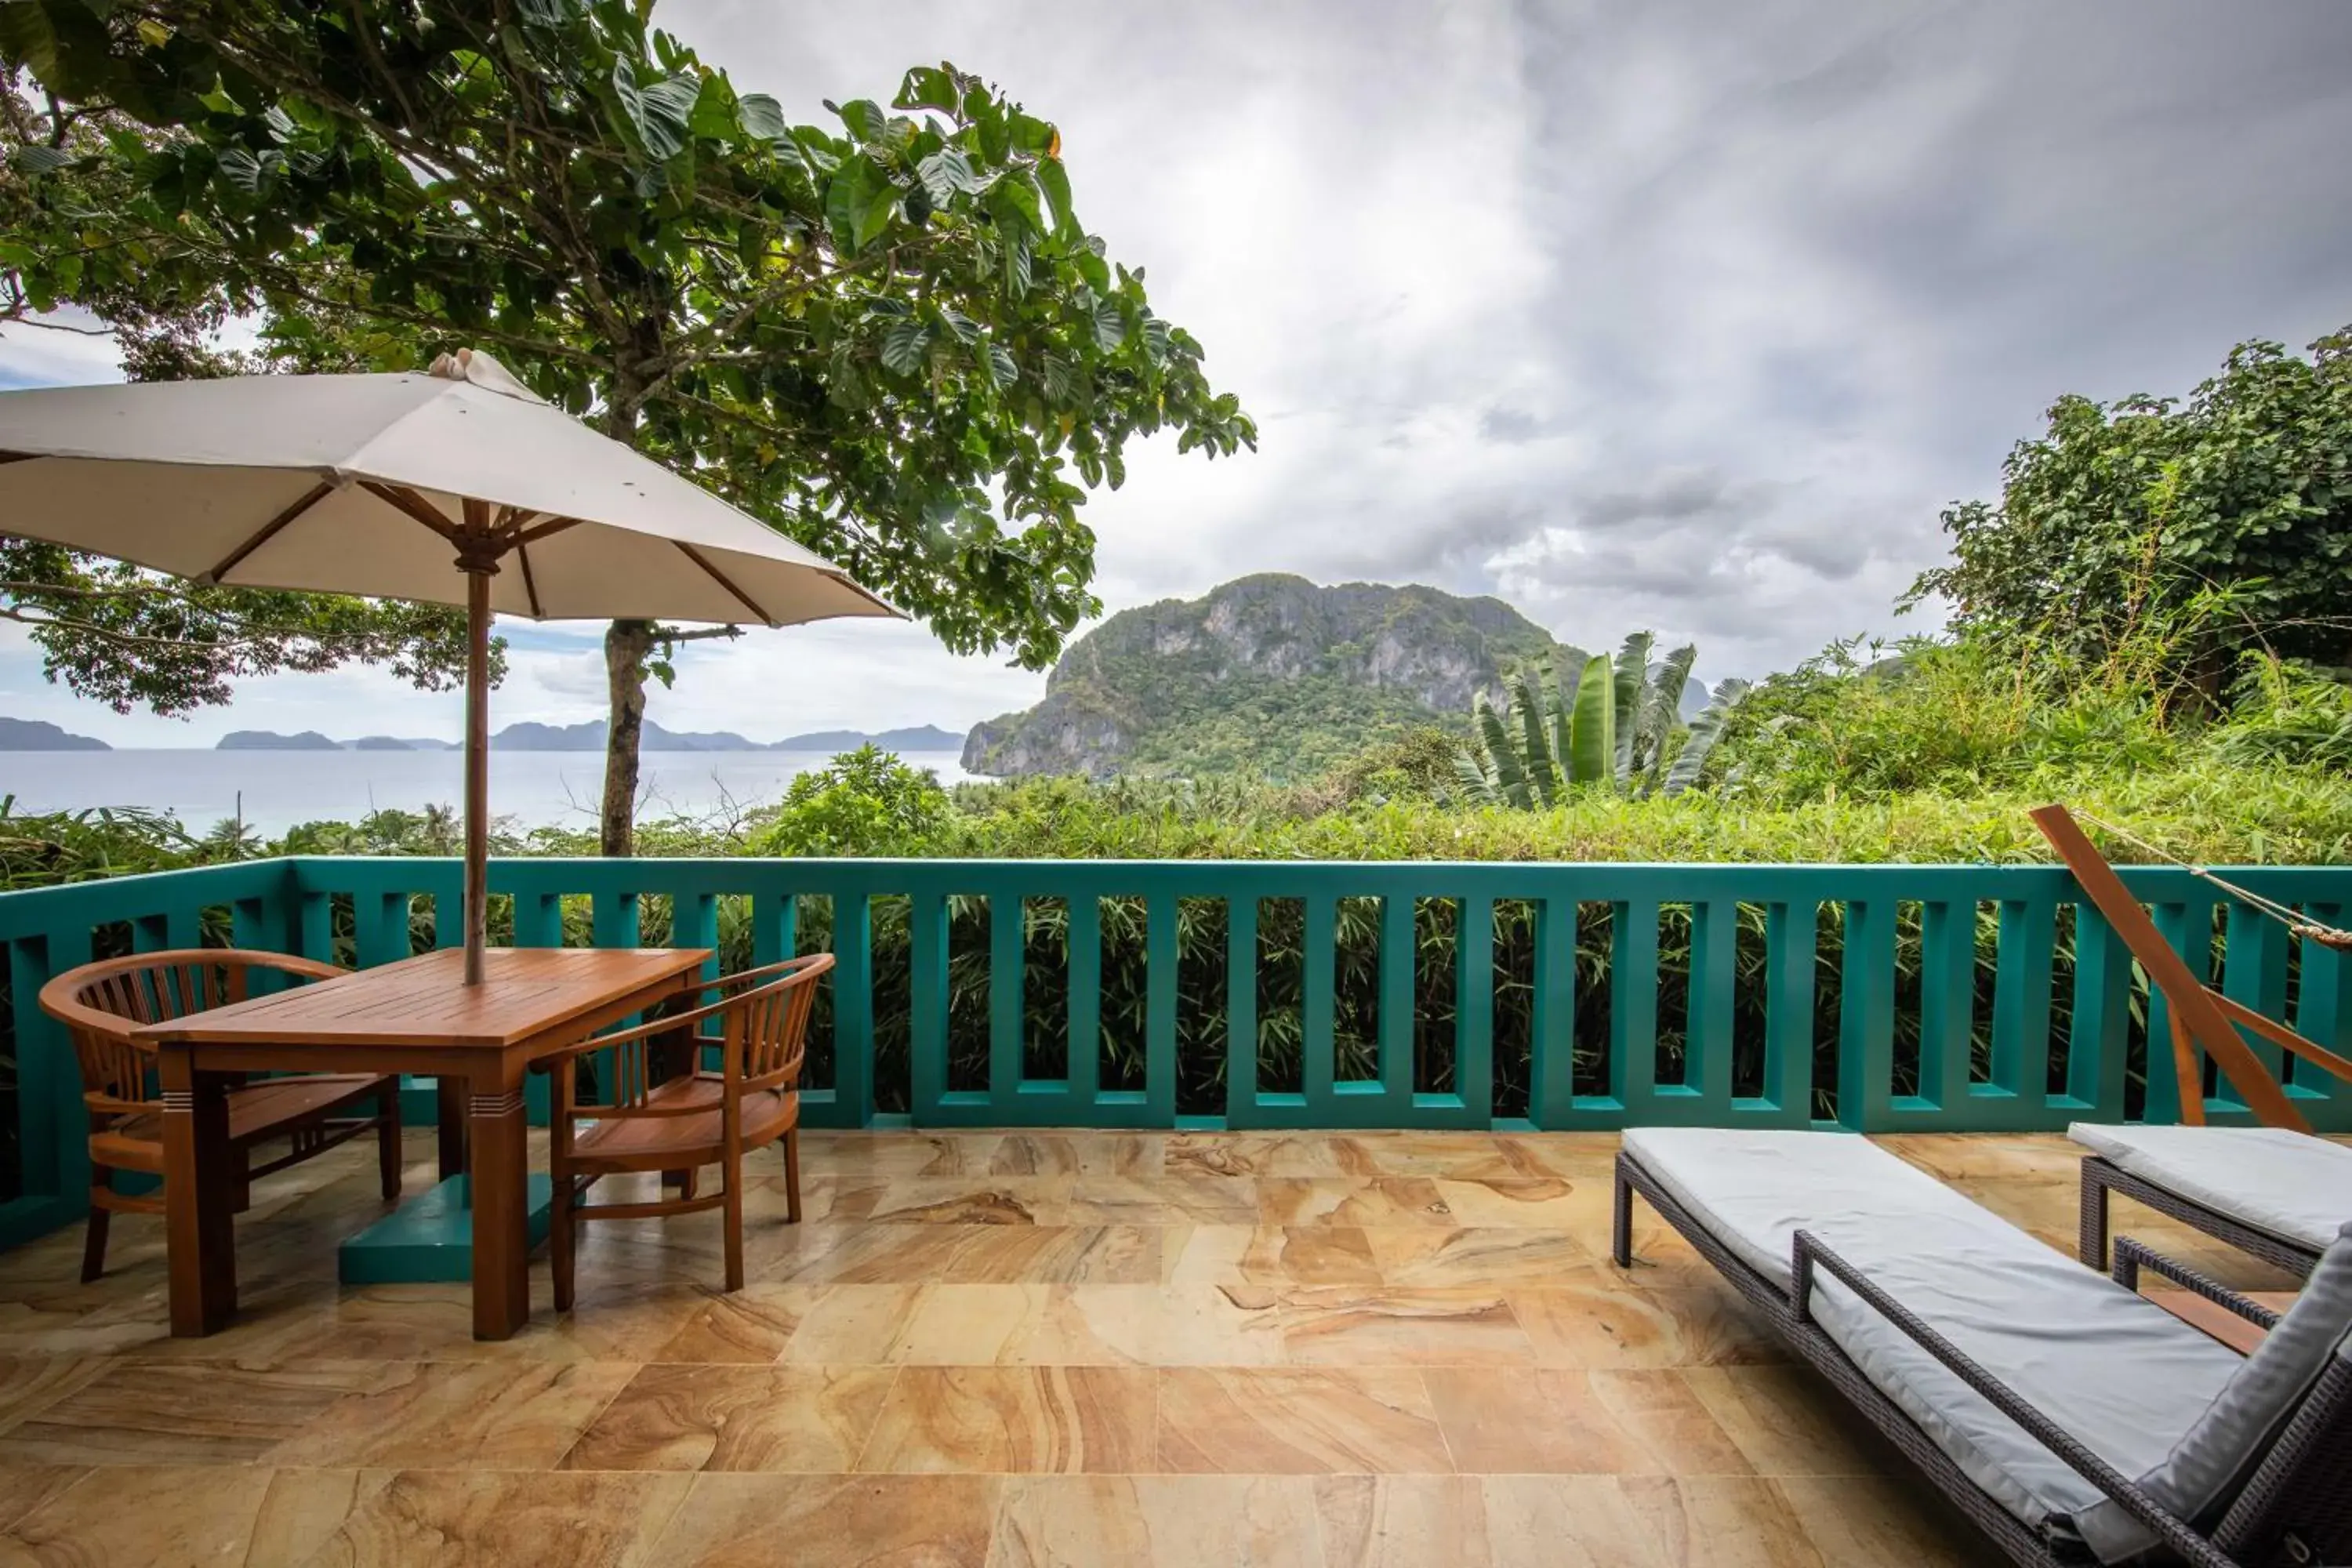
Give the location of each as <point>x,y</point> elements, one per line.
<point>1980,943</point>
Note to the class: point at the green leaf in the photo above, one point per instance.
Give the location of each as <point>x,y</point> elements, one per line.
<point>944,174</point>
<point>242,169</point>
<point>928,87</point>
<point>864,119</point>
<point>851,198</point>
<point>1061,380</point>
<point>1110,326</point>
<point>659,113</point>
<point>906,345</point>
<point>1002,368</point>
<point>1705,732</point>
<point>1054,180</point>
<point>38,160</point>
<point>1632,673</point>
<point>763,116</point>
<point>1593,733</point>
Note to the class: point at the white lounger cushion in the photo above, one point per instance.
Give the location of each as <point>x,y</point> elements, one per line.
<point>2284,1184</point>
<point>2127,1378</point>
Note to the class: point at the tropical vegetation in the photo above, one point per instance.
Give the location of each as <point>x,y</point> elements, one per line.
<point>1618,727</point>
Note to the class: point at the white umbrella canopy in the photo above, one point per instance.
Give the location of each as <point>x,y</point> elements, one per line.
<point>455,488</point>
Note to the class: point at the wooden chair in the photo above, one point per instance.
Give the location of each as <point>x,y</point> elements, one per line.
<point>99,1003</point>
<point>670,1114</point>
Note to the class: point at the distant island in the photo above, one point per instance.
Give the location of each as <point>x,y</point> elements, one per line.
<point>529,736</point>
<point>1269,673</point>
<point>33,735</point>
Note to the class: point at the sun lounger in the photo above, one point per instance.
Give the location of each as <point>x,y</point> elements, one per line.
<point>2072,1420</point>
<point>2278,1195</point>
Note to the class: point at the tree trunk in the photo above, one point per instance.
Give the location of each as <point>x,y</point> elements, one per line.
<point>627,646</point>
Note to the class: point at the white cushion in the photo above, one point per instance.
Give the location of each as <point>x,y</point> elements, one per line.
<point>2281,1182</point>
<point>2124,1376</point>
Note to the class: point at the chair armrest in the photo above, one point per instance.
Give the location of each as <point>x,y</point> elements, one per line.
<point>2175,1532</point>
<point>2133,1255</point>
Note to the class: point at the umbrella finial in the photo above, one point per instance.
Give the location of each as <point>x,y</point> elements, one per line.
<point>474,365</point>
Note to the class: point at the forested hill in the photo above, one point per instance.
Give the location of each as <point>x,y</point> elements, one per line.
<point>1270,673</point>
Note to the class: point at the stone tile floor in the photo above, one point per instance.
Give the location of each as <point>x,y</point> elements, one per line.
<point>1002,1350</point>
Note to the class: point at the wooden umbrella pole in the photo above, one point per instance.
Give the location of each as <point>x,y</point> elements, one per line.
<point>477,767</point>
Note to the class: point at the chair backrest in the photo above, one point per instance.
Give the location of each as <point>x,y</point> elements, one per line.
<point>772,1019</point>
<point>99,1003</point>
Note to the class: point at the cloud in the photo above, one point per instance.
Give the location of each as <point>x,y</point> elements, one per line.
<point>1690,315</point>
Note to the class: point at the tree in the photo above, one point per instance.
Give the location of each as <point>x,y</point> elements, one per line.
<point>132,638</point>
<point>1598,724</point>
<point>894,341</point>
<point>2119,517</point>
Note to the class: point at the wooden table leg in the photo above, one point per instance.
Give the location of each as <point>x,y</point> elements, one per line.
<point>200,1234</point>
<point>450,1124</point>
<point>502,1223</point>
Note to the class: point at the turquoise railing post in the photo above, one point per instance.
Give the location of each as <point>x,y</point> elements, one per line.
<point>1397,1014</point>
<point>1159,1010</point>
<point>2254,975</point>
<point>2024,958</point>
<point>926,1038</point>
<point>853,1009</point>
<point>1791,949</point>
<point>1244,1106</point>
<point>2188,928</point>
<point>1319,1044</point>
<point>1948,958</point>
<point>48,1098</point>
<point>1085,1012</point>
<point>2323,1015</point>
<point>1008,918</point>
<point>1474,1014</point>
<point>1866,1074</point>
<point>1634,1009</point>
<point>2097,1064</point>
<point>1552,1065</point>
<point>1704,1091</point>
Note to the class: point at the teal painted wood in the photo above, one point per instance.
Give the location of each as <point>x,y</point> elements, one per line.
<point>1633,1010</point>
<point>1158,1106</point>
<point>1791,949</point>
<point>2185,925</point>
<point>1947,963</point>
<point>1866,1074</point>
<point>1246,1105</point>
<point>1552,1065</point>
<point>1318,1043</point>
<point>2253,973</point>
<point>1713,980</point>
<point>1085,1012</point>
<point>2097,1062</point>
<point>2023,981</point>
<point>2323,1013</point>
<point>1472,1104</point>
<point>1008,917</point>
<point>1398,1013</point>
<point>926,1045</point>
<point>851,1103</point>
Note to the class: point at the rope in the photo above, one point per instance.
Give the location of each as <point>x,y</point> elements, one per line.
<point>2285,914</point>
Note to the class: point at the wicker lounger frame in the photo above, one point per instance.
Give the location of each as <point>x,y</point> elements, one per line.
<point>2101,1177</point>
<point>2295,1511</point>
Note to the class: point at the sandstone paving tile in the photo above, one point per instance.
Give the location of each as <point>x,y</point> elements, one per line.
<point>1015,1420</point>
<point>1298,1421</point>
<point>832,1522</point>
<point>1158,1521</point>
<point>509,1415</point>
<point>721,1418</point>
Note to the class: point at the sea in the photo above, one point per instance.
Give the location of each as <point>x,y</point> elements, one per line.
<point>272,791</point>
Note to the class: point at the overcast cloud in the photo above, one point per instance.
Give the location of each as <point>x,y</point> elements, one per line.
<point>1673,314</point>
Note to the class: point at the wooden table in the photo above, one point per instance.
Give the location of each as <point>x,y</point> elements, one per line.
<point>414,1016</point>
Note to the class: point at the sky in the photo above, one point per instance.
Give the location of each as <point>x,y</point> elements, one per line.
<point>1687,315</point>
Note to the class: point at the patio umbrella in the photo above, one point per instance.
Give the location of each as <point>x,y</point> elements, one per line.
<point>454,488</point>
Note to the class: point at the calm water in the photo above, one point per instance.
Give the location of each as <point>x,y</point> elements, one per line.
<point>536,789</point>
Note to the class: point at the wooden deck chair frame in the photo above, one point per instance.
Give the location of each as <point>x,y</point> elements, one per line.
<point>2199,1018</point>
